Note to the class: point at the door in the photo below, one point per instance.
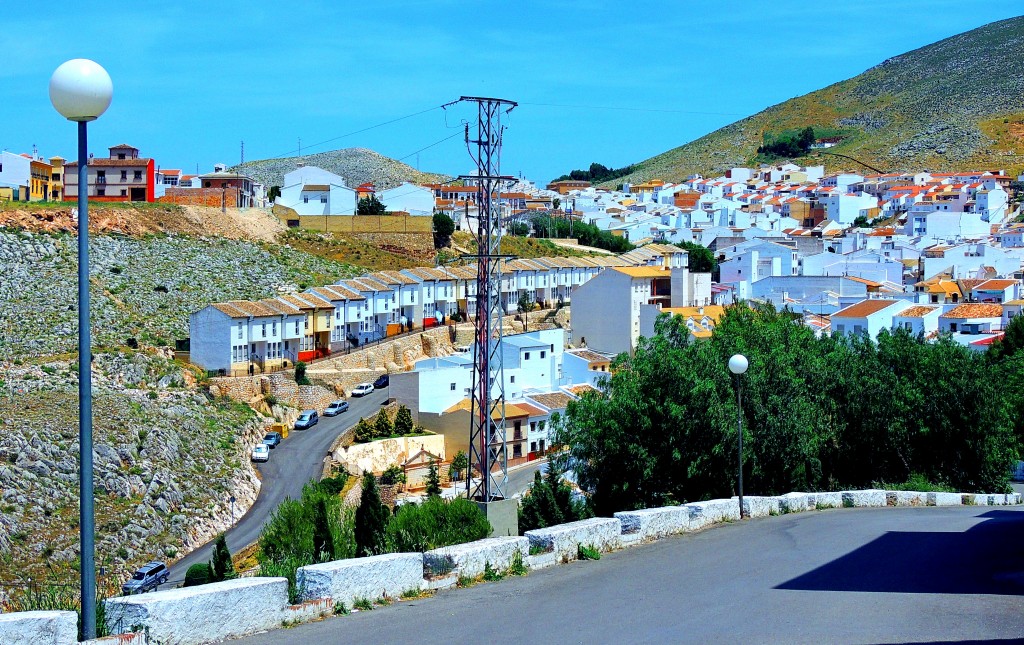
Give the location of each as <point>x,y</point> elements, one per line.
<point>138,194</point>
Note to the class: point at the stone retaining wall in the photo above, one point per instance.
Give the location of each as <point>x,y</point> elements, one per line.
<point>222,610</point>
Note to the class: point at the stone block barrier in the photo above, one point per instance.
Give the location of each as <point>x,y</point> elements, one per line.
<point>223,610</point>
<point>369,578</point>
<point>202,614</point>
<point>470,559</point>
<point>39,628</point>
<point>564,540</point>
<point>653,523</point>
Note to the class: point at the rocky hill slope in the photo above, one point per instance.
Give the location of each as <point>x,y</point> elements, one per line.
<point>355,165</point>
<point>953,105</point>
<point>167,461</point>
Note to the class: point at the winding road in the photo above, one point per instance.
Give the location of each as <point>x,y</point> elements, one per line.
<point>880,575</point>
<point>292,464</point>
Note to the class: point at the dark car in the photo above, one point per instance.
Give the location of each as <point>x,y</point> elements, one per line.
<point>272,439</point>
<point>381,382</point>
<point>307,419</point>
<point>146,578</point>
<point>335,408</point>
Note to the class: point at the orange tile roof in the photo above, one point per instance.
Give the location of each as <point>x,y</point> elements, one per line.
<point>974,310</point>
<point>916,312</point>
<point>996,284</point>
<point>643,272</point>
<point>863,309</point>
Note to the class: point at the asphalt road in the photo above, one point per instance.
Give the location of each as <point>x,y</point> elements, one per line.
<point>836,576</point>
<point>292,464</point>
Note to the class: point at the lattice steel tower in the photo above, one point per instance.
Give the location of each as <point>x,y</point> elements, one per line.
<point>487,447</point>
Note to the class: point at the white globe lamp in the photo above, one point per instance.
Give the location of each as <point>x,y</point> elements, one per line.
<point>738,364</point>
<point>81,90</point>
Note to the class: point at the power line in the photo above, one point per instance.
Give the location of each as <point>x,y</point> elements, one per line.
<point>354,132</point>
<point>457,134</point>
<point>630,109</point>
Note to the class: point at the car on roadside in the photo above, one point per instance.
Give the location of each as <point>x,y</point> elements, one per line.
<point>362,389</point>
<point>261,452</point>
<point>146,578</point>
<point>336,407</point>
<point>381,382</point>
<point>272,439</point>
<point>307,419</point>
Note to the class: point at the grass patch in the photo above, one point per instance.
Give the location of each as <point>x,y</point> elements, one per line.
<point>491,574</point>
<point>916,483</point>
<point>587,552</point>
<point>517,567</point>
<point>363,604</point>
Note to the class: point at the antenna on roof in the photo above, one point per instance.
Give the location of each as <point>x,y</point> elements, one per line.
<point>243,152</point>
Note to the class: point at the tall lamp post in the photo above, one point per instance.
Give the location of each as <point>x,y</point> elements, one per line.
<point>738,365</point>
<point>81,91</point>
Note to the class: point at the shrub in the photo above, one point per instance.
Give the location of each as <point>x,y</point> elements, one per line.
<point>270,400</point>
<point>363,431</point>
<point>517,568</point>
<point>587,552</point>
<point>393,475</point>
<point>433,480</point>
<point>335,483</point>
<point>491,574</point>
<point>436,523</point>
<point>460,464</point>
<point>199,573</point>
<point>300,373</point>
<point>549,502</point>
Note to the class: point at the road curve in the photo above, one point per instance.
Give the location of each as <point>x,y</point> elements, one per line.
<point>834,576</point>
<point>298,459</point>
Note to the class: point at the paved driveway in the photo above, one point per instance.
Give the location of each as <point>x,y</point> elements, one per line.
<point>836,576</point>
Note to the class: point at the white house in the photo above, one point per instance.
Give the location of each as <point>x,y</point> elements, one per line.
<point>408,198</point>
<point>309,190</point>
<point>868,316</point>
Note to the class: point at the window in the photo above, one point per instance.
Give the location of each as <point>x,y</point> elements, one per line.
<point>543,354</point>
<point>124,175</point>
<point>952,326</point>
<point>323,199</point>
<point>264,330</point>
<point>305,199</point>
<point>101,192</point>
<point>296,326</point>
<point>138,175</point>
<point>512,379</point>
<point>453,387</point>
<point>526,356</point>
<point>124,192</point>
<point>273,328</point>
<point>239,330</point>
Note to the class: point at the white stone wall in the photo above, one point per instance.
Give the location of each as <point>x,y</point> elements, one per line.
<point>470,559</point>
<point>564,540</point>
<point>203,614</point>
<point>906,498</point>
<point>945,499</point>
<point>654,523</point>
<point>863,498</point>
<point>370,578</point>
<point>39,628</point>
<point>704,514</point>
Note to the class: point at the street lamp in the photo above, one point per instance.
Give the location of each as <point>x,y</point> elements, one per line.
<point>81,91</point>
<point>738,365</point>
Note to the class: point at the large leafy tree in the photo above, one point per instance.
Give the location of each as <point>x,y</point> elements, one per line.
<point>370,205</point>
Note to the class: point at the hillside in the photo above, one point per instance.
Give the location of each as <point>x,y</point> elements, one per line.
<point>355,165</point>
<point>952,105</point>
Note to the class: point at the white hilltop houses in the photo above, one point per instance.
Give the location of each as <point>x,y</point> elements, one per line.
<point>309,190</point>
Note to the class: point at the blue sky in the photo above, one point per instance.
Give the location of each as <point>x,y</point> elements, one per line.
<point>192,80</point>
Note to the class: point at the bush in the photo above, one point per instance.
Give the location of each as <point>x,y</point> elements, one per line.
<point>335,483</point>
<point>382,425</point>
<point>363,431</point>
<point>393,475</point>
<point>300,373</point>
<point>549,502</point>
<point>221,567</point>
<point>199,573</point>
<point>459,465</point>
<point>436,523</point>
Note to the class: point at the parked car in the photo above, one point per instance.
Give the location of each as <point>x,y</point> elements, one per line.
<point>261,452</point>
<point>362,389</point>
<point>146,578</point>
<point>307,419</point>
<point>381,382</point>
<point>272,439</point>
<point>335,408</point>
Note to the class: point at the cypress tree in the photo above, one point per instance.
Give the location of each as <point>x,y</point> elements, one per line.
<point>433,480</point>
<point>323,544</point>
<point>371,519</point>
<point>382,426</point>
<point>221,567</point>
<point>403,421</point>
<point>363,431</point>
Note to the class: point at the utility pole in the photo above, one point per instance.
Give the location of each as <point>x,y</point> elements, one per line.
<point>487,440</point>
<point>243,152</point>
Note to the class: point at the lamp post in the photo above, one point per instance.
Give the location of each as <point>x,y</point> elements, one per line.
<point>738,365</point>
<point>81,91</point>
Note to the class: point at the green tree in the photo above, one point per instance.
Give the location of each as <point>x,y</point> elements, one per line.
<point>433,480</point>
<point>274,193</point>
<point>221,567</point>
<point>525,305</point>
<point>550,502</point>
<point>555,203</point>
<point>392,476</point>
<point>382,425</point>
<point>363,431</point>
<point>371,519</point>
<point>323,542</point>
<point>459,465</point>
<point>1011,342</point>
<point>403,421</point>
<point>444,227</point>
<point>370,205</point>
<point>700,258</point>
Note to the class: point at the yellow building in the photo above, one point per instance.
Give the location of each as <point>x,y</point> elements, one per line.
<point>56,179</point>
<point>39,180</point>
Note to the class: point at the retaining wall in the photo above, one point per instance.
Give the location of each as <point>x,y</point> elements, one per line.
<point>213,612</point>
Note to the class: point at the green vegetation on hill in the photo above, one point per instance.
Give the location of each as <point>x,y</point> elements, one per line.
<point>597,173</point>
<point>826,413</point>
<point>952,105</point>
